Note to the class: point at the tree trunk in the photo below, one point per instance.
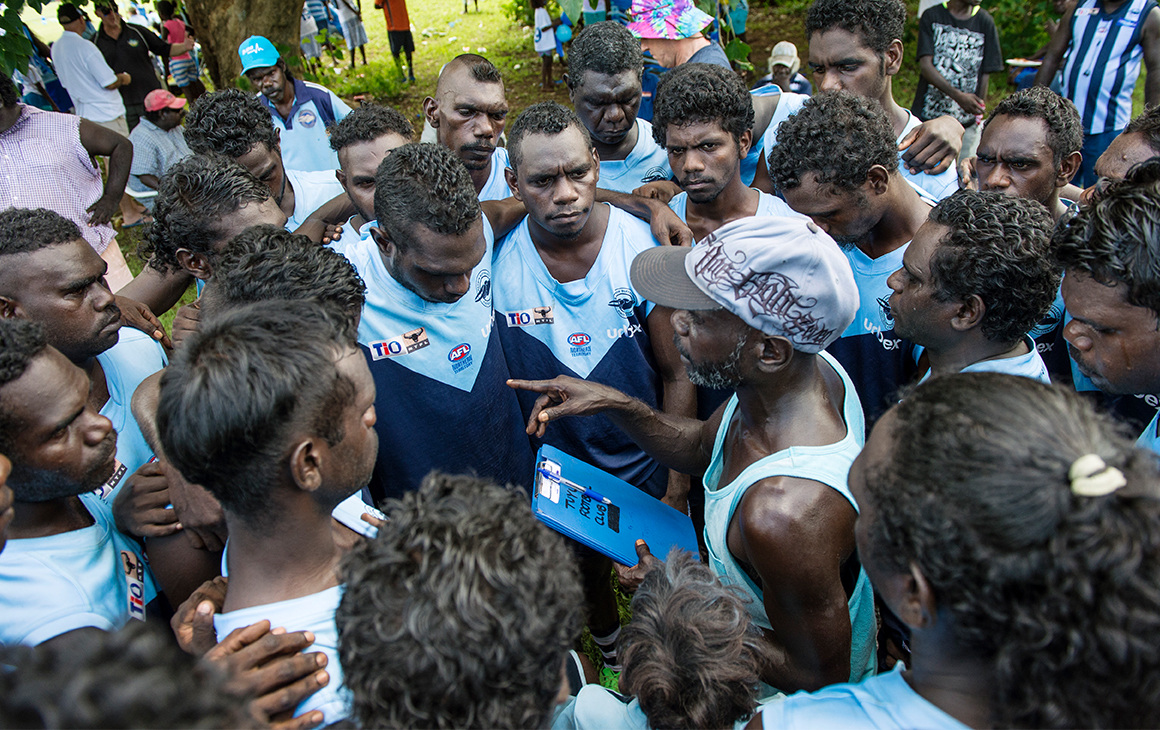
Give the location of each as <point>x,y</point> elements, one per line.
<point>222,25</point>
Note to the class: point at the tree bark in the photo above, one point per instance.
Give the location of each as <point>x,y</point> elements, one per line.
<point>222,25</point>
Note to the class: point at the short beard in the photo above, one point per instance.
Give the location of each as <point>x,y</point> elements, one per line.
<point>32,484</point>
<point>724,375</point>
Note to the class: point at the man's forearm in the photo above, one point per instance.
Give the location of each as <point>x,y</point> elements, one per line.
<point>674,441</point>
<point>120,162</point>
<point>634,205</point>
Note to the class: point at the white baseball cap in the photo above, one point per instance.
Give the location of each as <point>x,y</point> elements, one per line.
<point>783,276</point>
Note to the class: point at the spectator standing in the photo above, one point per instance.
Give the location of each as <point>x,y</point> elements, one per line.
<point>1098,50</point>
<point>86,76</point>
<point>671,31</point>
<point>544,41</point>
<point>350,17</point>
<point>399,32</point>
<point>126,47</point>
<point>182,66</point>
<point>301,111</point>
<point>158,141</point>
<point>958,49</point>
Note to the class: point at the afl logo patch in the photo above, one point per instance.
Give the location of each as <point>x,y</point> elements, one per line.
<point>307,118</point>
<point>578,339</point>
<point>459,352</point>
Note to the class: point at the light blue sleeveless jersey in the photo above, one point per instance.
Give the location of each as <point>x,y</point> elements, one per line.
<point>829,465</point>
<point>597,708</point>
<point>594,328</point>
<point>496,187</point>
<point>93,577</point>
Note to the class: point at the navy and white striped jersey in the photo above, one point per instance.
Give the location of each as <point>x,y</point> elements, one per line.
<point>1102,63</point>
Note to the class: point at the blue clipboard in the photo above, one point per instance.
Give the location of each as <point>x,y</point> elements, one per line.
<point>611,529</point>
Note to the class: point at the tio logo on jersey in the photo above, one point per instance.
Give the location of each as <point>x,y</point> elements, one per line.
<point>529,317</point>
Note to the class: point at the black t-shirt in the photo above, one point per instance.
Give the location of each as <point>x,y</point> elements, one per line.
<point>130,54</point>
<point>962,51</point>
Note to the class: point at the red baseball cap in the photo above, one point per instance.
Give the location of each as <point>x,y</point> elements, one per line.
<point>159,99</point>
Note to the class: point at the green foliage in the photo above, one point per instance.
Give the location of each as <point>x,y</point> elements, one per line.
<point>738,51</point>
<point>15,49</point>
<point>1021,24</point>
<point>379,80</point>
<point>520,12</point>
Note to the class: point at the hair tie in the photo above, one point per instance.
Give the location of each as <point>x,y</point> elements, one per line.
<point>1091,477</point>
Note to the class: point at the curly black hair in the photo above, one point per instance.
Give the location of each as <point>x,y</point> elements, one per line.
<point>1116,238</point>
<point>21,341</point>
<point>460,612</point>
<point>998,247</point>
<point>547,118</point>
<point>9,95</point>
<point>837,135</point>
<point>1064,127</point>
<point>1056,591</point>
<point>604,48</point>
<point>135,677</point>
<point>425,184</point>
<point>691,655</point>
<point>1147,124</point>
<point>193,196</point>
<point>24,230</point>
<point>266,262</point>
<point>229,121</point>
<point>367,123</point>
<point>877,22</point>
<point>240,390</point>
<point>701,92</point>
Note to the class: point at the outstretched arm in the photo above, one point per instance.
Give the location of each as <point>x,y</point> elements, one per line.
<point>683,444</point>
<point>667,226</point>
<point>679,397</point>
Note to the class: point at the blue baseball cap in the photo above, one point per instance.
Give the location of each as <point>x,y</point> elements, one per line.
<point>257,52</point>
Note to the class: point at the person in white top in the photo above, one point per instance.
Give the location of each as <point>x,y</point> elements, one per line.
<point>976,278</point>
<point>86,76</point>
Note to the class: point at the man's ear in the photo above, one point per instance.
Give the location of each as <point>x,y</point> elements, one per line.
<point>744,143</point>
<point>341,177</point>
<point>776,353</point>
<point>878,179</point>
<point>893,57</point>
<point>970,314</point>
<point>195,263</point>
<point>430,109</point>
<point>379,236</point>
<point>306,464</point>
<point>10,308</point>
<point>1068,167</point>
<point>513,183</point>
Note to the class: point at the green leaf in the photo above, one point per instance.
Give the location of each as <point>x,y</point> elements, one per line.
<point>572,8</point>
<point>738,51</point>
